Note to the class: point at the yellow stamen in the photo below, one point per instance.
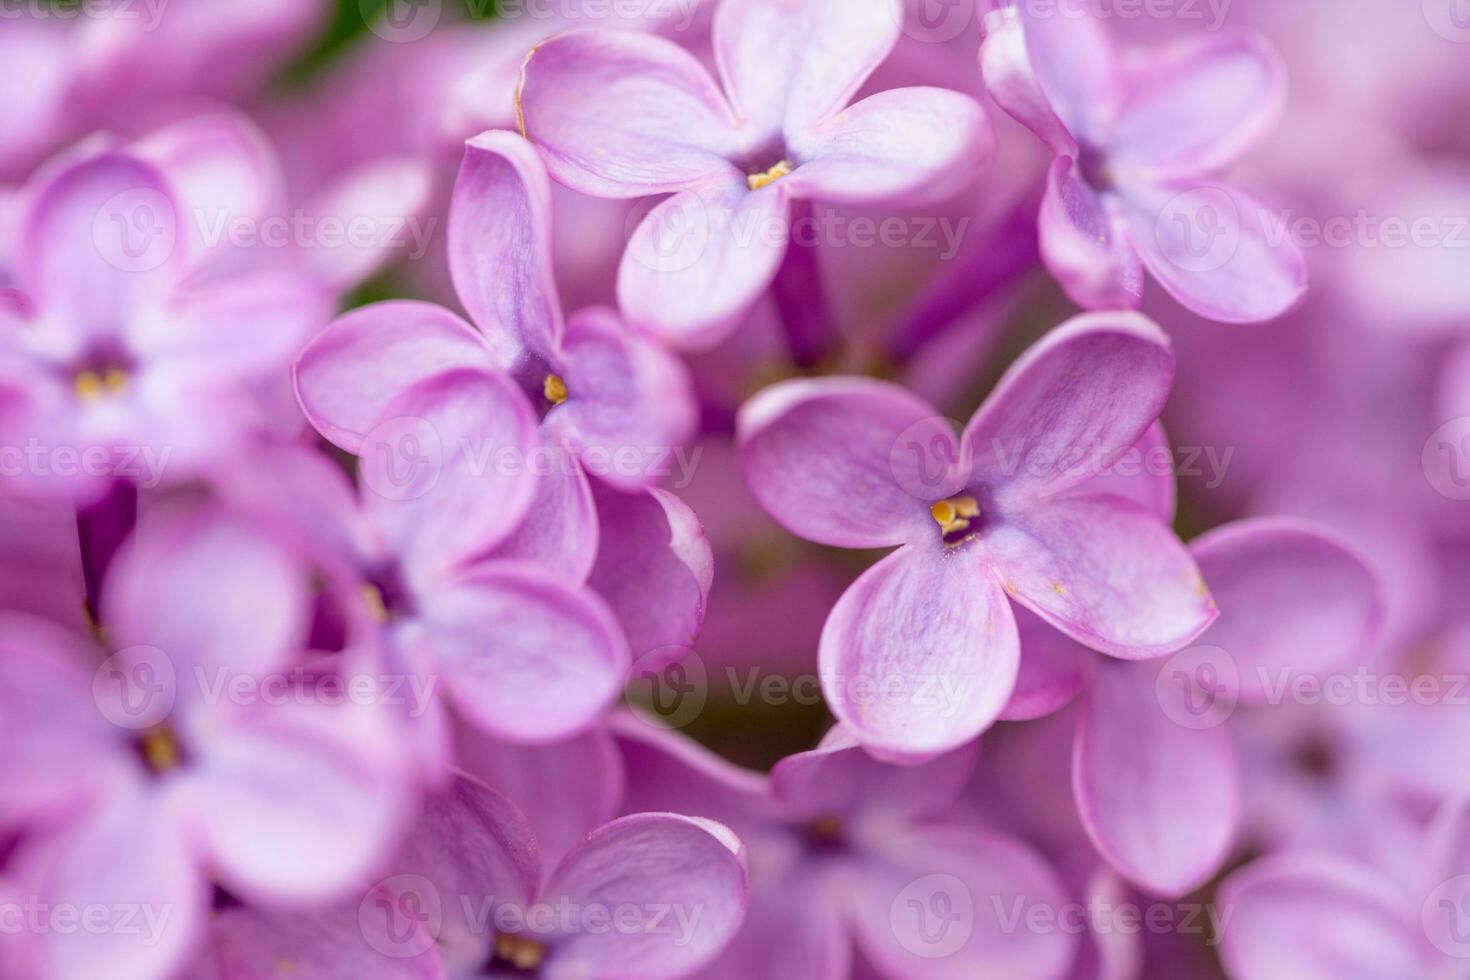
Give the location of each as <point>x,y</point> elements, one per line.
<point>954,515</point>
<point>376,606</point>
<point>161,750</point>
<point>555,389</point>
<point>825,829</point>
<point>757,181</point>
<point>521,952</point>
<point>91,385</point>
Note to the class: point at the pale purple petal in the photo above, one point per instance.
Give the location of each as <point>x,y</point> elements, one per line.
<point>1104,572</point>
<point>793,929</point>
<point>389,198</point>
<point>246,944</point>
<point>1006,67</point>
<point>850,462</point>
<point>791,64</point>
<point>525,656</point>
<point>1309,917</point>
<point>701,259</point>
<point>298,805</point>
<point>1217,250</point>
<point>211,591</point>
<point>1144,475</point>
<point>1294,601</point>
<point>1161,802</point>
<point>445,475</point>
<point>1197,107</point>
<point>1053,670</point>
<point>560,532</point>
<point>1085,242</point>
<point>894,145</point>
<point>654,568</point>
<point>347,376</point>
<point>500,244</point>
<point>566,789</point>
<point>1074,403</point>
<point>630,403</point>
<point>1074,62</point>
<point>624,114</point>
<point>981,876</point>
<point>103,246</point>
<point>648,861</point>
<point>839,779</point>
<point>920,654</point>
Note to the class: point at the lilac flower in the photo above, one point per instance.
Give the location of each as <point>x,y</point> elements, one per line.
<point>1137,146</point>
<point>1315,915</point>
<point>652,895</point>
<point>921,653</point>
<point>148,787</point>
<point>112,353</point>
<point>625,115</point>
<point>841,845</point>
<point>1155,773</point>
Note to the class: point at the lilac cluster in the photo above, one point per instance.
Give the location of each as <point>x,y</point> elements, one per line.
<point>657,489</point>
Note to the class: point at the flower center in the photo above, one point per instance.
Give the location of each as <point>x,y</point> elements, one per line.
<point>91,385</point>
<point>769,177</point>
<point>521,952</point>
<point>160,749</point>
<point>1095,169</point>
<point>955,517</point>
<point>555,389</point>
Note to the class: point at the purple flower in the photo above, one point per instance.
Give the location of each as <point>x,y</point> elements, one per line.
<point>116,353</point>
<point>1137,146</point>
<point>1155,773</point>
<point>920,654</point>
<point>652,895</point>
<point>848,853</point>
<point>624,115</point>
<point>148,780</point>
<point>1311,914</point>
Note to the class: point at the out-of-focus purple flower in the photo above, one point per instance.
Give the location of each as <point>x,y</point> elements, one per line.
<point>651,895</point>
<point>847,853</point>
<point>147,776</point>
<point>920,654</point>
<point>628,115</point>
<point>1155,774</point>
<point>115,350</point>
<point>1138,144</point>
<point>1310,915</point>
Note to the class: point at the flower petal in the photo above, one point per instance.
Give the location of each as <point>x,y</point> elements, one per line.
<point>1085,246</point>
<point>1197,107</point>
<point>920,654</point>
<point>347,375</point>
<point>1053,670</point>
<point>1294,600</point>
<point>974,879</point>
<point>652,861</point>
<point>792,64</point>
<point>892,145</point>
<point>1075,64</point>
<point>630,402</point>
<point>1071,406</point>
<point>1218,251</point>
<point>1144,475</point>
<point>1103,571</point>
<point>298,805</point>
<point>500,244</point>
<point>1160,801</point>
<point>1009,76</point>
<point>624,114</point>
<point>561,532</point>
<point>850,462</point>
<point>390,198</point>
<point>209,590</point>
<point>320,946</point>
<point>104,245</point>
<point>839,779</point>
<point>525,656</point>
<point>1311,917</point>
<point>445,472</point>
<point>699,260</point>
<point>654,568</point>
